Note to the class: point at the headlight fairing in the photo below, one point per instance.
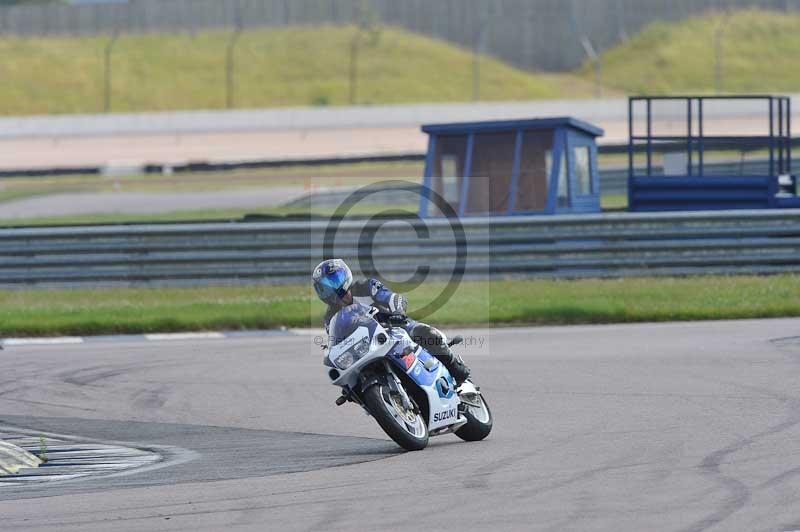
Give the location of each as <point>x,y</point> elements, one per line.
<point>349,357</point>
<point>345,360</point>
<point>361,347</point>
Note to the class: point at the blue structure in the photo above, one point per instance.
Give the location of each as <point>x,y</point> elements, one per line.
<point>542,166</point>
<point>681,182</point>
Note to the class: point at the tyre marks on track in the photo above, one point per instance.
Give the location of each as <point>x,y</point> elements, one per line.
<point>739,493</point>
<point>69,459</point>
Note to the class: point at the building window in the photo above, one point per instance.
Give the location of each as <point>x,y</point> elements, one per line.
<point>450,178</point>
<point>583,174</point>
<point>562,199</point>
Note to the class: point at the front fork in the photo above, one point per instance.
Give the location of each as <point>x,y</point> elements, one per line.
<point>389,378</point>
<point>396,388</point>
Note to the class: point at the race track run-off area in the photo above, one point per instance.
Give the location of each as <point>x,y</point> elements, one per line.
<point>668,427</point>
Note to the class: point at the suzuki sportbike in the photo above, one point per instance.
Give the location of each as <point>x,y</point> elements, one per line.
<point>407,390</point>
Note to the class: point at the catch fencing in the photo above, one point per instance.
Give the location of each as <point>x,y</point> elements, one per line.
<point>606,245</point>
<point>534,34</point>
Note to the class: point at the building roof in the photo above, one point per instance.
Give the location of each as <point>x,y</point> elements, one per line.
<point>513,125</point>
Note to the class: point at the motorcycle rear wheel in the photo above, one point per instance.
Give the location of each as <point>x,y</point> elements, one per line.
<point>407,429</point>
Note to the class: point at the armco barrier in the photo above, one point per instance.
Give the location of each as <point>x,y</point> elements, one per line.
<point>605,245</point>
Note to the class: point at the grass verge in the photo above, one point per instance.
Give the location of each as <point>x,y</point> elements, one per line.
<point>539,302</point>
<point>306,179</point>
<point>310,177</point>
<point>206,215</point>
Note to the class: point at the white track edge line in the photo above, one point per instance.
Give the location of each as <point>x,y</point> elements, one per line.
<point>184,336</point>
<point>43,341</point>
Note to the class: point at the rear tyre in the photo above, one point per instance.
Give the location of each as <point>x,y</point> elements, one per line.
<point>407,428</point>
<point>479,418</point>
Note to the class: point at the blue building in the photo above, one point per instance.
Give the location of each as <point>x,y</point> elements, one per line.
<point>540,166</point>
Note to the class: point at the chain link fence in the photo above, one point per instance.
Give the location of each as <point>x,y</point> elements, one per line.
<point>551,35</point>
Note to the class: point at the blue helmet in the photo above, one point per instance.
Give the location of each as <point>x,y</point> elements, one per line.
<point>332,279</point>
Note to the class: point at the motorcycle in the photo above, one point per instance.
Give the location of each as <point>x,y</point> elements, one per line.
<point>407,390</point>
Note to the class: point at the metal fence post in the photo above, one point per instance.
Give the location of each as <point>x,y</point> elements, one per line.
<point>478,50</point>
<point>107,72</point>
<point>230,64</point>
<point>367,25</point>
<point>622,31</point>
<point>353,74</point>
<point>719,34</point>
<point>594,57</point>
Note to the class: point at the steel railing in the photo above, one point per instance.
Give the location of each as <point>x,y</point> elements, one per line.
<point>607,245</point>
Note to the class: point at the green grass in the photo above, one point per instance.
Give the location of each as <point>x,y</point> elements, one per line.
<point>42,449</point>
<point>758,50</point>
<point>177,216</point>
<point>136,310</point>
<point>204,215</point>
<point>350,175</point>
<point>100,311</point>
<point>303,66</point>
<point>614,202</point>
<point>12,188</point>
<point>274,68</point>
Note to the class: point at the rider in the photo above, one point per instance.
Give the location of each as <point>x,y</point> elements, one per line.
<point>334,285</point>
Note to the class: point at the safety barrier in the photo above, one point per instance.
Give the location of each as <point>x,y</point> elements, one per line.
<point>607,245</point>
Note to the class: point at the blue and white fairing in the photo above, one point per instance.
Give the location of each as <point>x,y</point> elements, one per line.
<point>357,340</point>
<point>431,375</point>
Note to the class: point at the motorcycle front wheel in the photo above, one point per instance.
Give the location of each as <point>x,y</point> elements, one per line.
<point>407,428</point>
<point>479,418</point>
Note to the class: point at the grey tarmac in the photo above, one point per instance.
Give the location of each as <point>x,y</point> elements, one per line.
<point>675,426</point>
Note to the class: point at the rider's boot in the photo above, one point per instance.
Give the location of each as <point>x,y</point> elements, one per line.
<point>434,341</point>
<point>454,364</point>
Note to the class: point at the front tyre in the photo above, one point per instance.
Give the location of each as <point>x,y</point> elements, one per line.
<point>407,428</point>
<point>479,418</point>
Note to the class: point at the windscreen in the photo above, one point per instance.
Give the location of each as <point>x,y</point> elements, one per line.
<point>347,320</point>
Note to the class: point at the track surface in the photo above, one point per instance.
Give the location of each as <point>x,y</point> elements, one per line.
<point>679,427</point>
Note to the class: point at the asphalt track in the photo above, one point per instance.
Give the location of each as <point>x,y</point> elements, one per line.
<point>676,427</point>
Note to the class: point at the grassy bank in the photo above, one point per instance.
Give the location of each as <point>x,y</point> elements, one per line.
<point>757,51</point>
<point>107,311</point>
<point>302,66</point>
<point>273,68</point>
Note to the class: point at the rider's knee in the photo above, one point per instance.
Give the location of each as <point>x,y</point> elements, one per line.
<point>427,336</point>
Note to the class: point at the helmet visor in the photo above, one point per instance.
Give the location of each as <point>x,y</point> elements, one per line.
<point>331,285</point>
